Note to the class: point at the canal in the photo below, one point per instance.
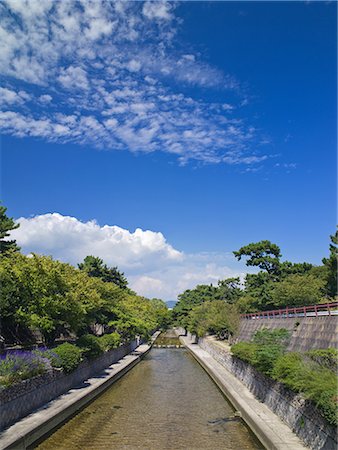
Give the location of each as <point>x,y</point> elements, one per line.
<point>166,402</point>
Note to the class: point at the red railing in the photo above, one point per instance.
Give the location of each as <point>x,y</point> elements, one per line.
<point>325,309</point>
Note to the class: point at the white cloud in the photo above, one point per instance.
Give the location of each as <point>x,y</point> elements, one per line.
<point>10,97</point>
<point>153,266</point>
<point>115,68</point>
<point>157,10</point>
<point>45,98</point>
<point>134,65</point>
<point>73,78</point>
<point>71,240</point>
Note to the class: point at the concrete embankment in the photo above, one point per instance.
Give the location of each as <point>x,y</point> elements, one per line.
<point>39,423</point>
<point>267,426</point>
<point>299,414</point>
<point>307,333</point>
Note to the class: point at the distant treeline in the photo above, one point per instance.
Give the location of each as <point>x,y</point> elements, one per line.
<point>278,284</point>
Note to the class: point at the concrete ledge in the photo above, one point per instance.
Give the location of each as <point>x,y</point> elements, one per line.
<point>268,428</point>
<point>32,428</point>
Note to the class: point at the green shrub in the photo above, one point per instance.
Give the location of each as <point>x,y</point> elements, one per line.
<point>90,346</point>
<point>314,382</point>
<point>326,357</point>
<point>327,403</point>
<point>266,356</point>
<point>109,341</point>
<point>245,351</point>
<point>68,357</point>
<point>264,336</point>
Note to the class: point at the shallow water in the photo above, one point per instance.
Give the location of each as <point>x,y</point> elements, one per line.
<point>165,402</point>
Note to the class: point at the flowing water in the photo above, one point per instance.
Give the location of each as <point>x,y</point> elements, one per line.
<point>165,402</point>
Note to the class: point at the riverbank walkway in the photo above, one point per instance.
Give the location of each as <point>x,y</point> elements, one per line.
<point>33,427</point>
<point>269,428</point>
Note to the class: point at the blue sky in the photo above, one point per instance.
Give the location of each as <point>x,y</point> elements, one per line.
<point>209,124</point>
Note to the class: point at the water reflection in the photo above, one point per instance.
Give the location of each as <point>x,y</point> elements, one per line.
<point>166,402</point>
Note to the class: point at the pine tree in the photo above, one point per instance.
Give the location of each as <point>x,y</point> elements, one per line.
<point>7,224</point>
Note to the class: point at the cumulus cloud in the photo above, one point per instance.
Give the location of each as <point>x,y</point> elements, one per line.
<point>192,269</point>
<point>153,266</point>
<point>71,240</point>
<point>117,69</point>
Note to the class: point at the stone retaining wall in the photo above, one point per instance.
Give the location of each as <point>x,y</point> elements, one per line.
<point>20,400</point>
<point>299,414</point>
<point>307,333</point>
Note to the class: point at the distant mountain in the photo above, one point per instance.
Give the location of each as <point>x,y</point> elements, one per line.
<point>171,303</point>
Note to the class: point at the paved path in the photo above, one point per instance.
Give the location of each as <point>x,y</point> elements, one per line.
<point>268,427</point>
<point>31,428</point>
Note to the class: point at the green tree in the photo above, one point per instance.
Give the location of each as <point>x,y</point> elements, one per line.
<point>161,312</point>
<point>289,268</point>
<point>298,290</point>
<point>191,298</point>
<point>95,267</point>
<point>7,224</point>
<point>229,290</point>
<point>223,319</point>
<point>331,264</point>
<point>258,292</point>
<point>216,317</point>
<point>263,254</point>
<point>36,295</point>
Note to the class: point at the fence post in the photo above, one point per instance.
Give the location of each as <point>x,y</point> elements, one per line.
<point>316,311</point>
<point>328,308</point>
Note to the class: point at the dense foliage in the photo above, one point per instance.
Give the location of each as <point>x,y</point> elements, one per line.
<point>90,346</point>
<point>310,373</point>
<point>266,348</point>
<point>42,295</point>
<point>330,264</point>
<point>216,317</point>
<point>109,341</point>
<point>278,284</point>
<point>66,356</point>
<point>313,381</point>
<point>94,267</point>
<point>326,357</point>
<point>7,224</point>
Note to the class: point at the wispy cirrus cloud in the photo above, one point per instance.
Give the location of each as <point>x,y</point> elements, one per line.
<point>110,74</point>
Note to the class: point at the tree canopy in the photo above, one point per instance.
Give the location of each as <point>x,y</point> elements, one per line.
<point>95,267</point>
<point>278,284</point>
<point>331,265</point>
<point>263,254</point>
<point>7,224</point>
<point>52,298</point>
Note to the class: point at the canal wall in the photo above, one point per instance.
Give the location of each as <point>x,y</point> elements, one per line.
<point>307,333</point>
<point>299,414</point>
<point>31,429</point>
<point>270,430</point>
<point>21,399</point>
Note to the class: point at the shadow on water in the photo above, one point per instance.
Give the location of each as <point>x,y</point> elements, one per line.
<point>166,402</point>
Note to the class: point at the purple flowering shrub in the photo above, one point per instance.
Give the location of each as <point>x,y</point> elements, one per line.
<point>19,365</point>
